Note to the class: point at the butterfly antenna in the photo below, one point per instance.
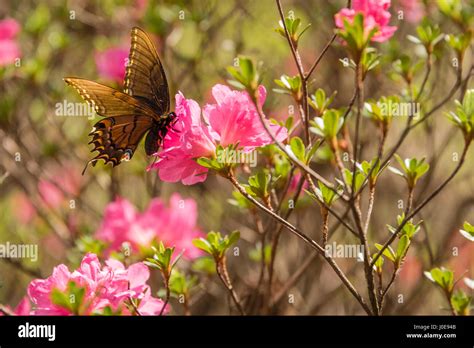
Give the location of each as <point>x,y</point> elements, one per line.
<point>85,168</point>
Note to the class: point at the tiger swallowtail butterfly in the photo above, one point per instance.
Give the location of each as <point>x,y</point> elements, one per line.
<point>143,106</point>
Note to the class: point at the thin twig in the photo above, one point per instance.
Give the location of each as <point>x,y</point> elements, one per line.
<point>221,270</point>
<point>425,202</point>
<point>306,239</point>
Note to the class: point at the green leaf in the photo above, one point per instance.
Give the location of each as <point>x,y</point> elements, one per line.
<point>463,117</point>
<point>378,263</point>
<point>259,184</point>
<point>60,299</point>
<point>246,75</point>
<point>289,122</point>
<point>205,265</point>
<point>328,125</point>
<point>443,277</point>
<point>71,299</point>
<point>298,148</point>
<point>233,238</point>
<point>468,231</point>
<point>202,244</point>
<point>216,245</point>
<point>358,181</point>
<point>255,254</point>
<point>461,302</point>
<point>388,252</point>
<point>208,163</point>
<point>413,169</point>
<point>402,247</point>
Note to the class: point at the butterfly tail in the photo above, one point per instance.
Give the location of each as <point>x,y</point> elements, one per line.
<point>93,161</point>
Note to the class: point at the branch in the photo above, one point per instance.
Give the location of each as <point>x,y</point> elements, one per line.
<point>424,203</point>
<point>306,239</point>
<point>299,65</point>
<point>221,270</point>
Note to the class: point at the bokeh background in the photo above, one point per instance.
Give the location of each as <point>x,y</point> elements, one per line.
<point>197,40</point>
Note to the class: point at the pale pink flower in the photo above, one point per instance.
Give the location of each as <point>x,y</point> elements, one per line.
<point>121,224</point>
<point>22,207</point>
<point>110,286</point>
<point>294,184</point>
<point>23,308</point>
<point>62,182</point>
<point>411,272</point>
<point>413,10</point>
<point>174,224</point>
<point>9,49</point>
<point>376,15</point>
<point>50,193</point>
<point>233,120</point>
<point>177,224</point>
<point>111,63</point>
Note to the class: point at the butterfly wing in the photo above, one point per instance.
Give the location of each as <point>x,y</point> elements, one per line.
<point>117,136</point>
<point>145,77</point>
<point>108,101</point>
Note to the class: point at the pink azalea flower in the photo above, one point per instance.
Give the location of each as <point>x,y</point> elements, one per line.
<point>376,15</point>
<point>412,9</point>
<point>177,224</point>
<point>111,63</point>
<point>111,286</point>
<point>64,181</point>
<point>9,49</point>
<point>232,120</point>
<point>190,139</point>
<point>174,225</point>
<point>22,207</point>
<point>294,184</point>
<point>122,223</point>
<point>23,308</point>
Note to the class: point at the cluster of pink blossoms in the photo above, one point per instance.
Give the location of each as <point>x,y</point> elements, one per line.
<point>376,15</point>
<point>9,49</point>
<point>174,224</point>
<point>111,286</point>
<point>232,120</point>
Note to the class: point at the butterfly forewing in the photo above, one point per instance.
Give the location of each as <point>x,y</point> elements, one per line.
<point>108,101</point>
<point>145,77</point>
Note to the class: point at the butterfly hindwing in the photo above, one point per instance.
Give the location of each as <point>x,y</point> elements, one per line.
<point>145,77</point>
<point>116,138</point>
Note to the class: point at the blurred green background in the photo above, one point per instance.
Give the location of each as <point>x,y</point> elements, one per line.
<point>197,40</point>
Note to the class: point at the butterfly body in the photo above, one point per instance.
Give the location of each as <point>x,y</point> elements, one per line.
<point>143,108</point>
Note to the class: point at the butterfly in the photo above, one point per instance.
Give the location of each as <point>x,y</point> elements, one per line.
<point>143,106</point>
